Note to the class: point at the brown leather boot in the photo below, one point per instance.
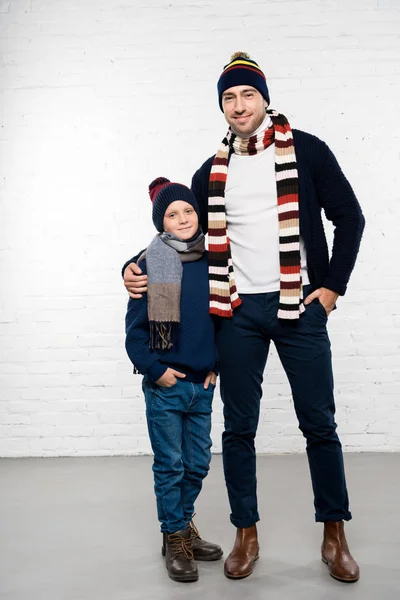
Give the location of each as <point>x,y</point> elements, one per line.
<point>178,552</point>
<point>203,550</point>
<point>336,554</point>
<point>240,562</point>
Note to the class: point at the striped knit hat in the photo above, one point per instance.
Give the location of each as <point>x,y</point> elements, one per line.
<point>162,192</point>
<point>242,70</point>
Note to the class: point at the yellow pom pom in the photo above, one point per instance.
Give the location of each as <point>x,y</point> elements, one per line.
<point>237,55</point>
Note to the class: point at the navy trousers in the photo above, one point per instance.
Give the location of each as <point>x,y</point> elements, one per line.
<point>303,347</point>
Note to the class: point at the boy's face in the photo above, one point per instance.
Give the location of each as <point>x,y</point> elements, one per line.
<point>181,220</point>
<point>244,108</point>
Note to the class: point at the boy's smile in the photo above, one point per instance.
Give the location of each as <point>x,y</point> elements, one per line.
<point>181,220</point>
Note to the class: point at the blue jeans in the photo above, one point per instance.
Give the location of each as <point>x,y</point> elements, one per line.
<point>304,350</point>
<point>179,424</point>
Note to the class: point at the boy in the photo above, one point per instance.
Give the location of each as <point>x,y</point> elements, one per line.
<point>170,340</point>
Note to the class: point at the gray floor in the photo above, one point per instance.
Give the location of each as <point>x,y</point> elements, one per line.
<point>85,529</point>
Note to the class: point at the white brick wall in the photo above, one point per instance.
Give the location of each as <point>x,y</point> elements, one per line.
<point>100,96</point>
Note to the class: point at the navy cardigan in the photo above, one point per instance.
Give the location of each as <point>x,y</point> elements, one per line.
<point>322,186</point>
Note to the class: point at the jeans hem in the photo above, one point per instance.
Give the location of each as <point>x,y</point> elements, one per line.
<point>164,528</point>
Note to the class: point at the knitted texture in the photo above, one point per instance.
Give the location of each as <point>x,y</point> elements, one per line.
<point>223,293</point>
<point>195,353</point>
<point>323,189</point>
<point>242,70</point>
<point>165,256</point>
<point>162,193</point>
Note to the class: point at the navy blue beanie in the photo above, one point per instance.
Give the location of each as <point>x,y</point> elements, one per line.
<point>242,70</point>
<point>162,192</point>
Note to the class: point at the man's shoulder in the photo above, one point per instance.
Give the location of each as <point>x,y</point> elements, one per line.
<point>206,166</point>
<point>306,138</point>
<point>310,150</point>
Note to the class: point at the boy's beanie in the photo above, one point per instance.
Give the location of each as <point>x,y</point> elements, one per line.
<point>162,192</point>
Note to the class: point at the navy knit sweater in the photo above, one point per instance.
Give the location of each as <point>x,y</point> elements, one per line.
<point>195,354</point>
<point>322,185</point>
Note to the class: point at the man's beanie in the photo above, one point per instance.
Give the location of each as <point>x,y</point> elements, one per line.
<point>242,71</point>
<point>162,192</point>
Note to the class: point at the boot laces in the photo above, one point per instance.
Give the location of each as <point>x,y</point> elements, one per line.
<point>181,545</point>
<point>194,532</point>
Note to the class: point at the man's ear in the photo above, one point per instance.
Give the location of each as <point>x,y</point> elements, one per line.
<point>265,104</point>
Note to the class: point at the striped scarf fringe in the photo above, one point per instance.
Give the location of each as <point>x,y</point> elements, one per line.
<point>223,293</point>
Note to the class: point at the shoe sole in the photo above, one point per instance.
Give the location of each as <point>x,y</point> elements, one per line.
<point>210,558</point>
<point>187,579</point>
<point>339,578</point>
<point>241,576</point>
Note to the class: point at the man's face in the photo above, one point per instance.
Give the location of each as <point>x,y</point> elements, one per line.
<point>244,108</point>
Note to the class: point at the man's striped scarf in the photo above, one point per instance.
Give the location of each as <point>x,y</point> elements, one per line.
<point>223,293</point>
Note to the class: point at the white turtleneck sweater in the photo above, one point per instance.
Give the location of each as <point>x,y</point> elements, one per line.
<point>252,219</point>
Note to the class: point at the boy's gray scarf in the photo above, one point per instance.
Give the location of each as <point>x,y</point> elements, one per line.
<point>164,258</point>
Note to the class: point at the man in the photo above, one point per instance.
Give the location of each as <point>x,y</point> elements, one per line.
<point>271,278</point>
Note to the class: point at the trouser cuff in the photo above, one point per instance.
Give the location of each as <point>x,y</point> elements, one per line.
<point>243,523</point>
<point>344,516</point>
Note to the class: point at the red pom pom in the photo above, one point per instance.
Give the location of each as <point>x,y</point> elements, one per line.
<point>158,181</point>
<point>155,185</point>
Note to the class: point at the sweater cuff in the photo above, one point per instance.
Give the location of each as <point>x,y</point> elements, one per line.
<point>156,371</point>
<point>335,286</point>
<point>125,265</point>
